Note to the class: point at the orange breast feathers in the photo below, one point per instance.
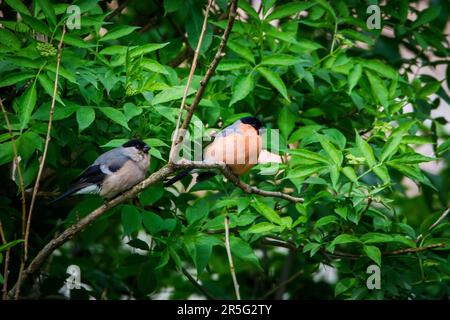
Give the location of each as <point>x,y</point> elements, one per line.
<point>239,148</point>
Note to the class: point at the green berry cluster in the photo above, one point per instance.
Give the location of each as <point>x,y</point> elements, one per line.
<point>46,49</point>
<point>382,127</point>
<point>351,159</point>
<point>131,90</point>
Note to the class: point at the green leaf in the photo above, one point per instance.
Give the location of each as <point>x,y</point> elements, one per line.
<point>342,212</point>
<point>9,245</point>
<point>230,65</point>
<point>426,16</point>
<point>244,5</point>
<point>262,227</point>
<point>365,150</point>
<point>410,158</point>
<point>417,140</point>
<point>325,221</point>
<point>335,155</point>
<point>146,48</point>
<point>170,94</point>
<point>380,68</point>
<point>138,244</point>
<point>428,89</point>
<point>266,211</point>
<point>305,170</point>
<point>152,222</point>
<point>309,155</point>
<point>151,194</point>
<point>345,238</point>
<point>344,285</point>
<point>275,80</point>
<point>382,172</point>
<point>375,237</point>
<point>242,87</point>
<point>242,51</point>
<point>116,116</point>
<point>286,121</point>
<point>154,66</point>
<point>113,50</point>
<point>354,76</point>
<point>443,147</point>
<point>14,78</point>
<point>18,6</point>
<point>48,86</point>
<point>379,90</point>
<point>8,39</point>
<point>198,212</point>
<point>391,146</point>
<point>131,219</point>
<point>373,253</point>
<point>172,5</point>
<point>279,60</point>
<point>287,10</point>
<point>6,152</point>
<point>36,25</point>
<point>414,173</point>
<point>27,102</point>
<point>118,32</point>
<point>194,28</point>
<point>350,173</point>
<point>48,10</point>
<point>85,117</point>
<point>242,250</point>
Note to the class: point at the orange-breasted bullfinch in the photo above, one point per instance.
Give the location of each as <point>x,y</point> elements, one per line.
<point>238,146</point>
<point>113,172</point>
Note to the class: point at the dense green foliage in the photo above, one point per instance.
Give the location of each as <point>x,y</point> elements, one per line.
<point>337,92</point>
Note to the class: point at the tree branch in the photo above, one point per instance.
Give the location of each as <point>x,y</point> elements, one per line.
<point>6,269</point>
<point>188,84</point>
<point>233,178</point>
<point>17,167</point>
<point>198,285</point>
<point>41,165</point>
<point>209,72</point>
<point>412,250</point>
<point>73,230</point>
<point>230,257</point>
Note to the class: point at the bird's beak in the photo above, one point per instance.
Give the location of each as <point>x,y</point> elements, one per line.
<point>146,149</point>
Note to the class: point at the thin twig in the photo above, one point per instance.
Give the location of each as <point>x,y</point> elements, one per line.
<point>41,165</point>
<point>188,84</point>
<point>17,167</point>
<point>253,190</point>
<point>209,72</point>
<point>292,278</point>
<point>183,164</point>
<point>230,257</point>
<point>412,250</point>
<point>6,269</point>
<point>117,11</point>
<point>439,220</point>
<point>198,285</point>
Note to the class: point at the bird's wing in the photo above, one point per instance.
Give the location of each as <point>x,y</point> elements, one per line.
<point>104,165</point>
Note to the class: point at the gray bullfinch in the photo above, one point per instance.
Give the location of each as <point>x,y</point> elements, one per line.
<point>238,146</point>
<point>113,172</point>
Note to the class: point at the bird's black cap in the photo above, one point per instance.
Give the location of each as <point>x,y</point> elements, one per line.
<point>254,122</point>
<point>138,144</point>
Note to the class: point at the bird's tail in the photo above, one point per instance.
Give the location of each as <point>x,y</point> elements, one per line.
<point>65,194</point>
<point>178,177</point>
<point>202,176</point>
